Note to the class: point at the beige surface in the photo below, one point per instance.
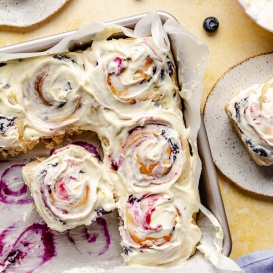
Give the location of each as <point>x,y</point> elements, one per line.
<point>250,216</point>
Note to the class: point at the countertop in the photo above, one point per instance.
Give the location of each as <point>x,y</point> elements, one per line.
<point>249,215</point>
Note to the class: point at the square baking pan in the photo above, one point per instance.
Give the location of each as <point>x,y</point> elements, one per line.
<point>208,187</point>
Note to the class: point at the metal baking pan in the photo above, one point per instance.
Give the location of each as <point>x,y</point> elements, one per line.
<point>208,187</point>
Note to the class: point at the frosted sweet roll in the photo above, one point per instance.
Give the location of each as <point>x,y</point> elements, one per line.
<point>43,99</point>
<point>69,188</point>
<point>156,152</point>
<point>129,71</point>
<point>157,229</point>
<point>252,116</point>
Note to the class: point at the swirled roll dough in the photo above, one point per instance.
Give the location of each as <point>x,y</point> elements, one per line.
<point>157,229</point>
<point>54,99</point>
<point>252,116</point>
<point>50,96</point>
<point>69,188</point>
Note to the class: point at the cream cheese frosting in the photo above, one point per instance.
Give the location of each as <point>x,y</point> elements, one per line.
<point>126,91</point>
<point>155,148</point>
<point>157,229</point>
<point>69,188</point>
<point>252,112</point>
<point>132,75</point>
<point>46,96</point>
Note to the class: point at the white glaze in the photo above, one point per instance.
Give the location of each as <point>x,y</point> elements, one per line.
<point>64,93</point>
<point>144,172</point>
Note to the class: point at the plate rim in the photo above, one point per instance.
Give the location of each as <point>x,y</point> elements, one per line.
<point>32,24</point>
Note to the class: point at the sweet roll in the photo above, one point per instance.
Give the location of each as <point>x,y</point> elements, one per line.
<point>69,188</point>
<point>251,115</point>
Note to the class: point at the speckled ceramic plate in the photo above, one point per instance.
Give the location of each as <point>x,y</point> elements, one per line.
<point>260,11</point>
<point>25,13</point>
<point>227,149</point>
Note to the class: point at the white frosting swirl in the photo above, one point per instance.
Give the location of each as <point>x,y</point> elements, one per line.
<point>131,71</point>
<point>152,173</point>
<point>53,95</point>
<point>11,113</point>
<point>46,98</point>
<point>156,231</point>
<point>53,98</point>
<point>69,188</point>
<point>154,151</point>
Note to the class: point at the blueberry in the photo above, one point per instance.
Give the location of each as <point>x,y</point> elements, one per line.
<point>126,250</point>
<point>132,199</point>
<point>101,212</point>
<point>237,107</point>
<point>13,256</point>
<point>260,152</point>
<point>210,24</point>
<point>5,123</point>
<point>61,105</point>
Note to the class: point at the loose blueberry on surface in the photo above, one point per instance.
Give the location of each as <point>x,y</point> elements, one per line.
<point>210,24</point>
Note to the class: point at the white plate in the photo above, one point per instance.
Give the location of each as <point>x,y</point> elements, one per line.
<point>260,11</point>
<point>24,13</point>
<point>227,149</point>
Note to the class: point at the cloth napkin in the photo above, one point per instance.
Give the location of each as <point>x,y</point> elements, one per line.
<point>257,262</point>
